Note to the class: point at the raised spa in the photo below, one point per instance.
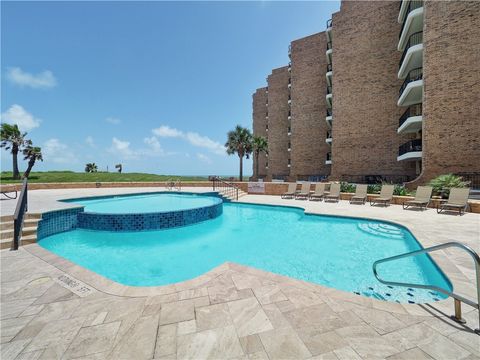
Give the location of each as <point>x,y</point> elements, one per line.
<point>151,211</point>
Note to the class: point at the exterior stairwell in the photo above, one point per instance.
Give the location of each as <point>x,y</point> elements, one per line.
<point>225,195</point>
<point>29,230</point>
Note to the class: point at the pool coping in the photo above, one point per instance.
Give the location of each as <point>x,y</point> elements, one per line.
<point>103,284</point>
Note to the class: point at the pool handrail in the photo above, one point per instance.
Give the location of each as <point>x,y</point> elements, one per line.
<point>457,298</point>
<point>222,186</point>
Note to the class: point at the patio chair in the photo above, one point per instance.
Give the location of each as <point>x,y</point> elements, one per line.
<point>334,194</point>
<point>360,194</point>
<point>304,192</point>
<point>422,198</point>
<point>9,191</point>
<point>457,200</point>
<point>290,193</point>
<point>319,192</point>
<point>386,195</point>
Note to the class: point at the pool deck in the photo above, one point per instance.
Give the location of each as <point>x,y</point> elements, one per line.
<point>52,308</point>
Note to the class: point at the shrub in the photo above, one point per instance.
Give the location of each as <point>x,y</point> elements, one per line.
<point>346,187</point>
<point>442,184</point>
<point>400,190</point>
<point>373,188</point>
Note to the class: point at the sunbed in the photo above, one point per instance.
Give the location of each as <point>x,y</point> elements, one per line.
<point>360,194</point>
<point>304,192</point>
<point>319,192</point>
<point>386,195</point>
<point>334,194</point>
<point>292,189</point>
<point>457,200</point>
<point>422,198</point>
<point>9,191</point>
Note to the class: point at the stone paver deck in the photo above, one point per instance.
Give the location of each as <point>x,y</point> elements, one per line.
<point>233,311</point>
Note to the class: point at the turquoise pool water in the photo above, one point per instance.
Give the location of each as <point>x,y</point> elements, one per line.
<point>332,251</point>
<point>158,202</point>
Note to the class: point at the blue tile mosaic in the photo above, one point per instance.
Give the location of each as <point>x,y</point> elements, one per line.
<point>147,221</point>
<point>54,222</point>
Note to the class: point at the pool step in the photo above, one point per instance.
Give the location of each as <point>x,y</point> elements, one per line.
<point>388,294</point>
<point>29,230</point>
<point>384,230</point>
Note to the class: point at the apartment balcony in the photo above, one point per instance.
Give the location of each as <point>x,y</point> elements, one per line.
<point>411,120</point>
<point>412,56</point>
<point>289,50</point>
<point>289,86</point>
<point>289,66</point>
<point>328,161</point>
<point>410,151</point>
<point>329,117</point>
<point>329,52</point>
<point>329,30</point>
<point>329,74</point>
<point>412,21</point>
<point>411,91</point>
<point>329,96</point>
<point>289,131</point>
<point>329,138</point>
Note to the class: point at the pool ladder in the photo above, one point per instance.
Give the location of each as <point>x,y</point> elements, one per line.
<point>457,298</point>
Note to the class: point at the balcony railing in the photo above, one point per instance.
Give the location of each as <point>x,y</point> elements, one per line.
<point>329,156</point>
<point>412,5</point>
<point>329,134</point>
<point>329,45</point>
<point>329,23</point>
<point>329,112</point>
<point>410,146</point>
<point>414,110</point>
<point>414,39</point>
<point>413,75</point>
<point>329,67</point>
<point>329,90</point>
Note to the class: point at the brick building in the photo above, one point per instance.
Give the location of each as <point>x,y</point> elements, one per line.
<point>390,91</point>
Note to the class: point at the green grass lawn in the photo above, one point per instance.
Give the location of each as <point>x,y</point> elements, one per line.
<point>70,176</point>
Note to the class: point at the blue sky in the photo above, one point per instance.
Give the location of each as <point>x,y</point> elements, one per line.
<point>152,85</point>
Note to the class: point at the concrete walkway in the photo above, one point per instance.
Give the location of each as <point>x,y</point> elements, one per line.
<point>52,308</point>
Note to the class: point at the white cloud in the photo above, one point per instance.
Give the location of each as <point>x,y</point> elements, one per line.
<point>193,138</point>
<point>166,131</point>
<point>90,142</point>
<point>112,120</point>
<point>205,142</point>
<point>153,144</point>
<point>122,148</point>
<point>55,151</point>
<point>43,80</point>
<point>204,158</point>
<point>18,115</point>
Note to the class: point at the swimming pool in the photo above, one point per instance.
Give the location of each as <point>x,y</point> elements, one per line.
<point>337,252</point>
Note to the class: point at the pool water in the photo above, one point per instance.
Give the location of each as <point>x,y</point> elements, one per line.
<point>336,252</point>
<point>157,202</point>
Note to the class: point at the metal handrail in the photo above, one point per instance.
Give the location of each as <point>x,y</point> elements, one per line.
<point>227,188</point>
<point>19,216</point>
<point>458,298</point>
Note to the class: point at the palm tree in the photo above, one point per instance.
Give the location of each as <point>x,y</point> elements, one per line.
<point>259,144</point>
<point>239,142</point>
<point>91,168</point>
<point>12,139</point>
<point>32,154</point>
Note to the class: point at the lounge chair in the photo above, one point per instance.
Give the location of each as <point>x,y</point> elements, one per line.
<point>360,194</point>
<point>319,192</point>
<point>334,194</point>
<point>292,190</point>
<point>9,191</point>
<point>422,198</point>
<point>457,200</point>
<point>386,195</point>
<point>304,192</point>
